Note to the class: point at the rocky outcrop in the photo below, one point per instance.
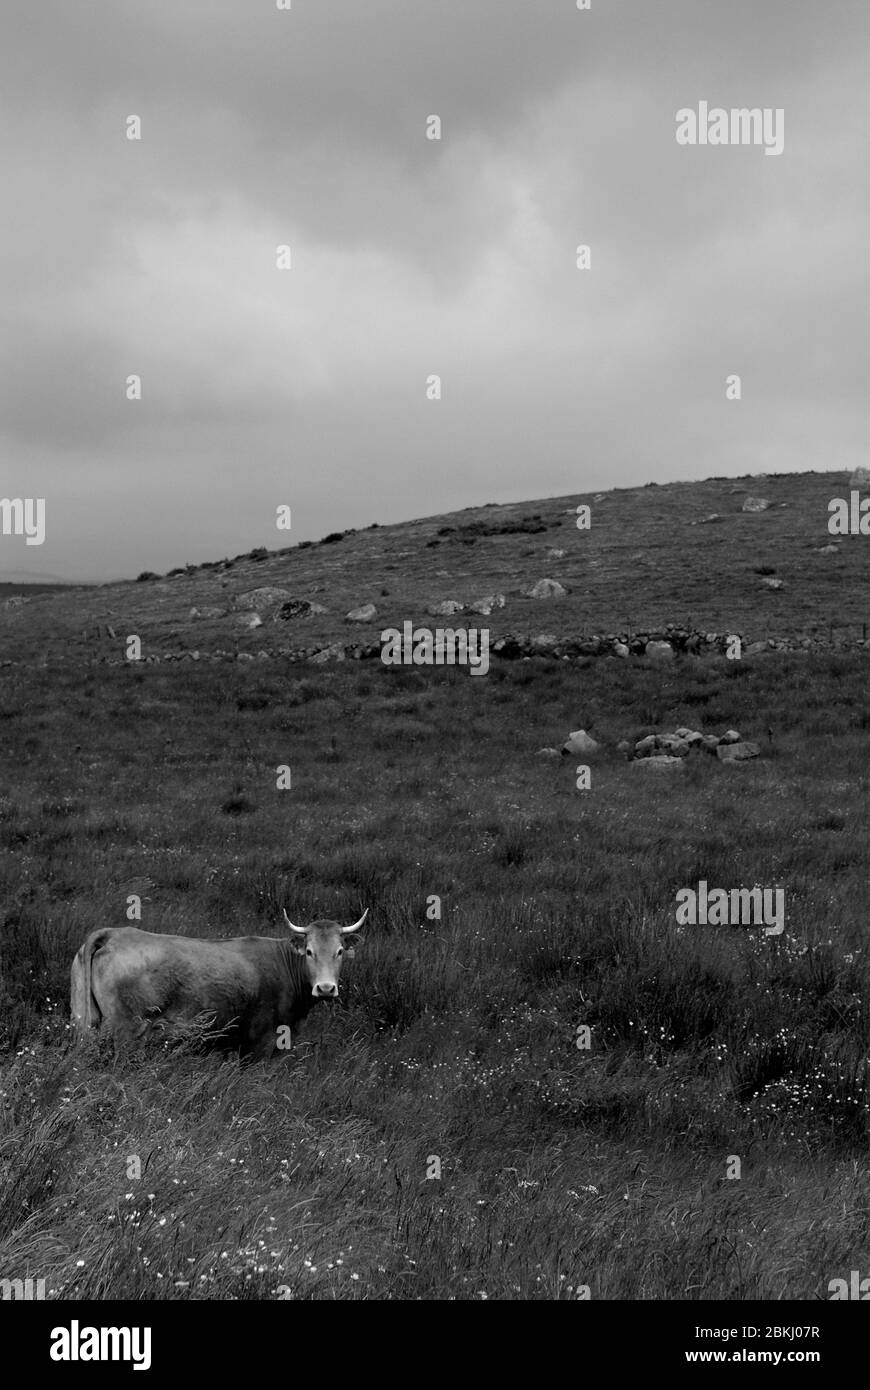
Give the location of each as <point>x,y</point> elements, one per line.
<point>684,742</point>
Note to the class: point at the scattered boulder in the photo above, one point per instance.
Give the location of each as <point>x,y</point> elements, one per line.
<point>737,752</point>
<point>445,609</point>
<point>208,611</point>
<point>730,736</point>
<point>659,651</point>
<point>299,608</point>
<point>248,620</point>
<point>769,582</point>
<point>548,753</point>
<point>580,742</point>
<point>755,504</point>
<point>676,747</point>
<point>333,653</point>
<point>267,597</point>
<point>662,761</point>
<point>555,554</point>
<point>620,650</point>
<point>487,604</point>
<point>546,588</point>
<point>364,614</point>
<point>860,478</point>
<point>828,550</point>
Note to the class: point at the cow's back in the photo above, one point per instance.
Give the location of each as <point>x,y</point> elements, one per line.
<point>142,980</point>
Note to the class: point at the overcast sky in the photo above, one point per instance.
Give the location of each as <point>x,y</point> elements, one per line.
<point>412,257</point>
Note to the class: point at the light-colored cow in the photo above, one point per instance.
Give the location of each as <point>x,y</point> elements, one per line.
<point>132,984</point>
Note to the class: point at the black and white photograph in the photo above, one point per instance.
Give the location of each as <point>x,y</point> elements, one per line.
<point>434,667</point>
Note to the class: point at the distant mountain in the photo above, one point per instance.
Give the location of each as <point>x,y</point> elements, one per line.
<point>10,585</point>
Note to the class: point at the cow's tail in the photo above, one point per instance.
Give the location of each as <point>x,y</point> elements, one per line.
<point>84,1009</point>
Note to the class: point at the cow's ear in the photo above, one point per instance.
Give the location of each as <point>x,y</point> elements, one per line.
<point>349,952</point>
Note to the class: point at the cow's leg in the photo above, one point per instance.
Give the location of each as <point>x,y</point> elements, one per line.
<point>126,1030</point>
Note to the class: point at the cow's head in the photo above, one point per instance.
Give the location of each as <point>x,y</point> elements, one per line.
<point>324,945</point>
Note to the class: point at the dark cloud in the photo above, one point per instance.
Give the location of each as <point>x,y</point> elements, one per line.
<point>412,257</point>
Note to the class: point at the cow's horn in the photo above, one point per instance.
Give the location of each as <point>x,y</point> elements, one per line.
<point>291,925</point>
<point>356,926</point>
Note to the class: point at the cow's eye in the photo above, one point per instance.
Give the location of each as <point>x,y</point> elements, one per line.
<point>309,951</point>
<point>340,951</point>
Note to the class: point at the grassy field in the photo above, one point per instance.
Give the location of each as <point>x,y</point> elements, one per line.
<point>456,1038</point>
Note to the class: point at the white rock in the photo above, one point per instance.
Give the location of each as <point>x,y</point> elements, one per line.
<point>487,604</point>
<point>445,609</point>
<point>580,742</point>
<point>364,614</point>
<point>266,597</point>
<point>547,588</point>
<point>755,504</point>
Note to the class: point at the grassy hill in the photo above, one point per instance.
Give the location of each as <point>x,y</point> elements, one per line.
<point>457,1034</point>
<point>650,558</point>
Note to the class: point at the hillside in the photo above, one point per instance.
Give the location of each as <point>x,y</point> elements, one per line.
<point>652,556</point>
<point>510,906</point>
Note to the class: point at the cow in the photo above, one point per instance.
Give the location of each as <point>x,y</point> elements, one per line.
<point>132,984</point>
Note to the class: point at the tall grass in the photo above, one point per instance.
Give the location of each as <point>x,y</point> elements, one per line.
<point>455,1045</point>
